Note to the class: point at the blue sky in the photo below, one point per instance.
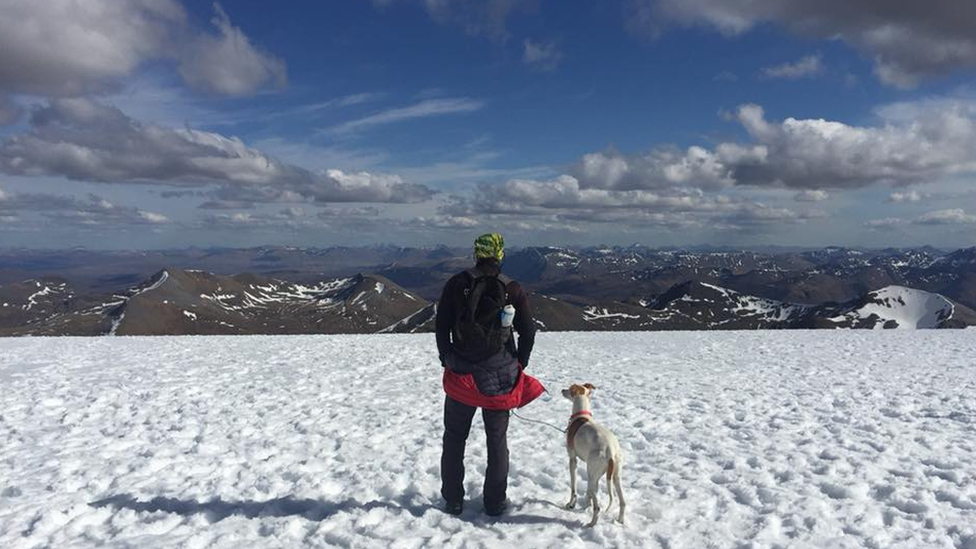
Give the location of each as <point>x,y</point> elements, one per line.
<point>131,124</point>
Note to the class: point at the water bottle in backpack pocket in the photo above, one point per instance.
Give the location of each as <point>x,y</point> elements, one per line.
<point>508,315</point>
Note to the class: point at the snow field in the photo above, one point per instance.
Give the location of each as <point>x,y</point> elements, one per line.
<point>734,439</point>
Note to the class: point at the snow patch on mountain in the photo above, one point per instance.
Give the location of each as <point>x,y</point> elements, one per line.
<point>599,313</point>
<point>901,307</point>
<point>163,277</point>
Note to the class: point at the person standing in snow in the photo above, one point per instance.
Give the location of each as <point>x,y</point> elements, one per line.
<point>482,368</point>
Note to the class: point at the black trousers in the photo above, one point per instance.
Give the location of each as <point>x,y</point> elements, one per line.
<point>457,425</point>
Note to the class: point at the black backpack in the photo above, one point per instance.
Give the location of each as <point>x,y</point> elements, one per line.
<point>478,333</point>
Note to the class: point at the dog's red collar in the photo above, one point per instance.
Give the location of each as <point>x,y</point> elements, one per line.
<point>581,413</point>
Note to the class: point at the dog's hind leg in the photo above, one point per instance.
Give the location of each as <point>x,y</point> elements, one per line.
<point>610,469</point>
<point>592,491</point>
<point>620,492</point>
<point>572,481</point>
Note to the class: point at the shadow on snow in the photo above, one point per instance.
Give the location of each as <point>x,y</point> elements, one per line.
<point>315,510</point>
<point>218,509</point>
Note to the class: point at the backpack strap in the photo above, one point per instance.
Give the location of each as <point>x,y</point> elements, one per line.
<point>475,274</point>
<point>474,298</point>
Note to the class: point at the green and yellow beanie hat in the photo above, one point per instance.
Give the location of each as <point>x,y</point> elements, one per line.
<point>489,246</point>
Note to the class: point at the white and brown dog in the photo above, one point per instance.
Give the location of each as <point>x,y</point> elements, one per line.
<point>596,445</point>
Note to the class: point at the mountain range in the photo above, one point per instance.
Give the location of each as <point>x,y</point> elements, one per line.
<point>389,289</point>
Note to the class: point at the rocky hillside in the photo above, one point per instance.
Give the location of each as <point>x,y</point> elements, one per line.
<point>196,303</point>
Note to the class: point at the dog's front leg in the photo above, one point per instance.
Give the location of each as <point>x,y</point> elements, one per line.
<point>572,480</point>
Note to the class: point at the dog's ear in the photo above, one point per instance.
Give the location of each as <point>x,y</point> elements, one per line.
<point>589,386</point>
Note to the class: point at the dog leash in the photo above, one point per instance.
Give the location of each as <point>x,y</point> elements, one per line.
<point>540,422</point>
<point>561,430</point>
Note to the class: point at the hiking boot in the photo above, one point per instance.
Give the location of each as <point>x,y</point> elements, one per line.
<point>497,509</point>
<point>454,507</point>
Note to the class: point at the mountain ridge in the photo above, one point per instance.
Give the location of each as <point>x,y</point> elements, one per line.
<point>196,302</point>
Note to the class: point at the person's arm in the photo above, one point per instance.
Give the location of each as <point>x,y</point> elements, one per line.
<point>444,322</point>
<point>524,325</point>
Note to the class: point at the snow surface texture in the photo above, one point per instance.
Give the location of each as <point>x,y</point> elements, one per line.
<point>733,439</point>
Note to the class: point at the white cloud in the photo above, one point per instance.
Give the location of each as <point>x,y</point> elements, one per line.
<point>423,109</point>
<point>87,141</point>
<point>884,223</point>
<point>563,200</point>
<point>154,217</point>
<point>228,63</point>
<point>64,48</point>
<point>816,153</point>
<point>566,192</point>
<point>663,168</point>
<point>66,209</point>
<point>909,196</point>
<point>544,56</point>
<point>362,211</point>
<point>907,39</point>
<point>808,66</point>
<point>446,222</point>
<point>953,216</point>
<point>370,187</point>
<point>811,195</point>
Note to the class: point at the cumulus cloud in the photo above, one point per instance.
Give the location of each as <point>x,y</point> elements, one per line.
<point>563,200</point>
<point>544,56</point>
<point>93,210</point>
<point>369,187</point>
<point>83,140</point>
<point>908,40</point>
<point>811,195</point>
<point>423,109</point>
<point>445,222</point>
<point>64,48</point>
<point>952,216</point>
<point>362,211</point>
<point>884,223</point>
<point>153,217</point>
<point>228,63</point>
<point>808,66</point>
<point>566,192</point>
<point>908,196</point>
<point>664,168</point>
<point>250,220</point>
<point>817,153</point>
